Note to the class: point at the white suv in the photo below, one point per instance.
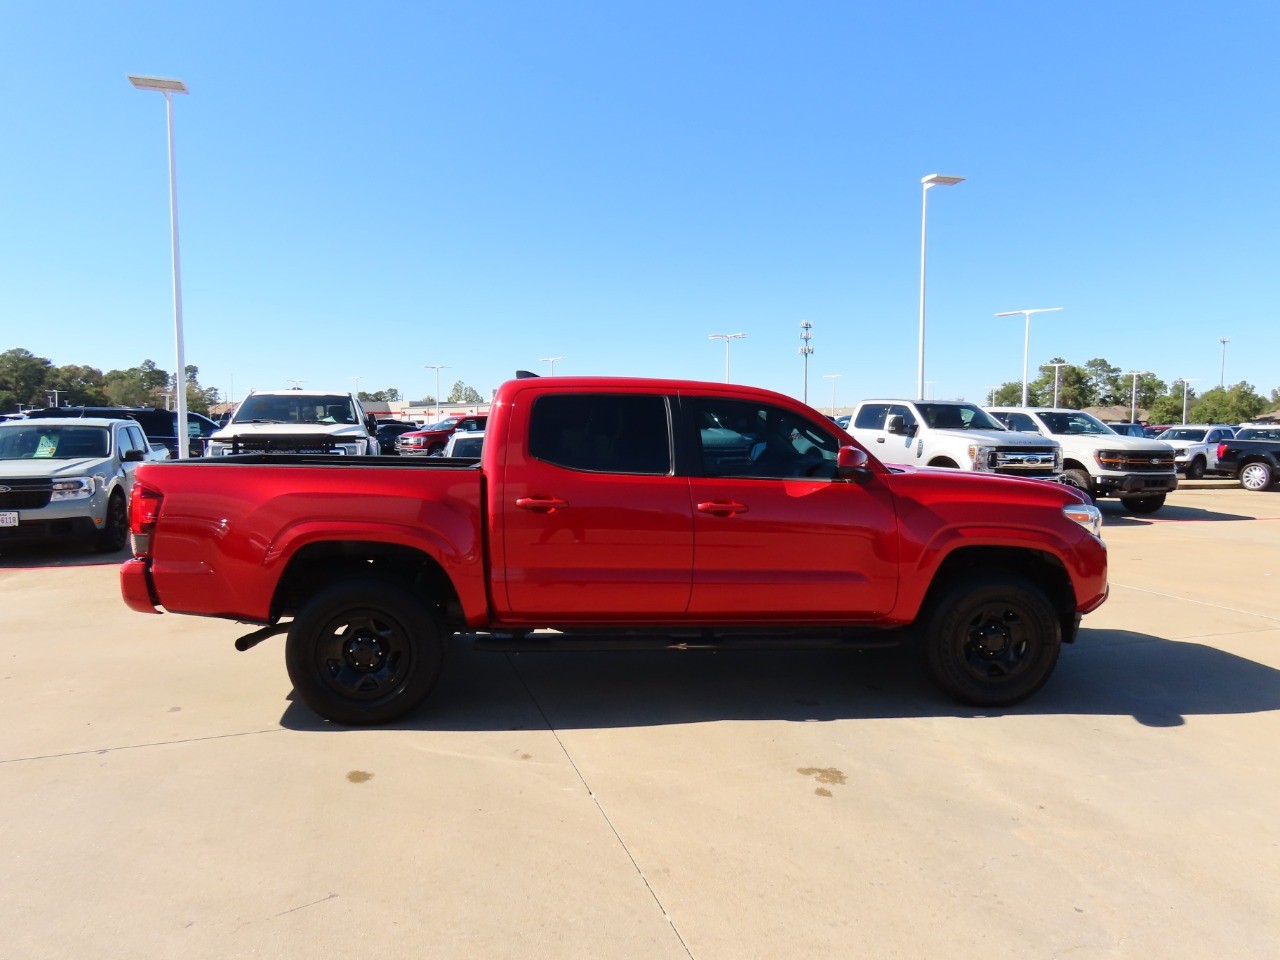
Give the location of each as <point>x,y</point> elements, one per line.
<point>1195,446</point>
<point>297,421</point>
<point>1096,459</point>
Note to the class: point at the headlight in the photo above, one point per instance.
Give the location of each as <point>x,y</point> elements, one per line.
<point>1057,460</point>
<point>1085,514</point>
<point>75,488</point>
<point>981,457</point>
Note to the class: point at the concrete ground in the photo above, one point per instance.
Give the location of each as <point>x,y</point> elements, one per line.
<point>163,797</point>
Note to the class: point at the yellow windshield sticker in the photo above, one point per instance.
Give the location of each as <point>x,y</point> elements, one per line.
<point>48,446</point>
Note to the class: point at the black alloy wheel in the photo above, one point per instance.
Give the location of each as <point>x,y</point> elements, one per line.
<point>114,534</point>
<point>989,638</point>
<point>364,652</point>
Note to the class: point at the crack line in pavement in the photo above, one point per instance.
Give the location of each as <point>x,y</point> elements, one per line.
<point>591,793</point>
<point>139,746</point>
<point>1203,603</point>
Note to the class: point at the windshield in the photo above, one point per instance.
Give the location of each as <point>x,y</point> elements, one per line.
<point>1075,424</point>
<point>42,442</point>
<point>1185,433</point>
<point>446,424</point>
<point>958,416</point>
<point>303,408</point>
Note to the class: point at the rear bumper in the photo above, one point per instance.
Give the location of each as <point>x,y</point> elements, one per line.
<point>135,585</point>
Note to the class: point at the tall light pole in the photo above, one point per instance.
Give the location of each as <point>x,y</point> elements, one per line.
<point>806,351</point>
<point>357,380</point>
<point>1057,369</point>
<point>833,377</point>
<point>1133,401</point>
<point>1186,381</point>
<point>437,367</point>
<point>1222,373</point>
<point>932,180</point>
<point>1026,340</point>
<point>552,361</point>
<point>168,88</point>
<point>726,337</point>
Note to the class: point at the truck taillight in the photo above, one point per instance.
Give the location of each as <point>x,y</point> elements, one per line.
<point>1222,450</point>
<point>144,510</point>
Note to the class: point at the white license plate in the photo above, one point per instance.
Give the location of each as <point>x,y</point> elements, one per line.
<point>8,518</point>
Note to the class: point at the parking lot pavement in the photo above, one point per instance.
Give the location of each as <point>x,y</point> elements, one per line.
<point>164,797</point>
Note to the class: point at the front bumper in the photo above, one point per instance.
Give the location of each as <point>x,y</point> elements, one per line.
<point>1135,484</point>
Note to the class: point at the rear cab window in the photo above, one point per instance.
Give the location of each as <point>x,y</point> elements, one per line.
<point>603,433</point>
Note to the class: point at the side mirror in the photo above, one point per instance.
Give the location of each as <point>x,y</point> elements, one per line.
<point>371,424</point>
<point>896,424</point>
<point>133,456</point>
<point>851,464</point>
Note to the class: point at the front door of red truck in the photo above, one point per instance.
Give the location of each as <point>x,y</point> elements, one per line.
<point>777,536</point>
<point>595,525</point>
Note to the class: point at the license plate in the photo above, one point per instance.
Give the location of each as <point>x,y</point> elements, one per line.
<point>8,518</point>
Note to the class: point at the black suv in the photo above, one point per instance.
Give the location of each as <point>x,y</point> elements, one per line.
<point>160,426</point>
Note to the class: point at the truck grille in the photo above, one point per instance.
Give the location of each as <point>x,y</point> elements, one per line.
<point>1140,462</point>
<point>25,494</point>
<point>306,444</point>
<point>1024,461</point>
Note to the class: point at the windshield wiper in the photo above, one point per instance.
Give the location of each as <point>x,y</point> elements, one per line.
<point>261,420</point>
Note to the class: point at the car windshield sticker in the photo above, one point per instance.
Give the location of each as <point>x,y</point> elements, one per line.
<point>47,446</point>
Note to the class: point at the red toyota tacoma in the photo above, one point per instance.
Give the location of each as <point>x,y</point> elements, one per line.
<point>618,512</point>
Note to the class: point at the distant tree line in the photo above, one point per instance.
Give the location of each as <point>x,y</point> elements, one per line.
<point>1099,384</point>
<point>30,381</point>
<point>461,393</point>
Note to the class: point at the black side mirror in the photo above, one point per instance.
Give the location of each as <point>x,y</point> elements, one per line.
<point>896,424</point>
<point>133,456</point>
<point>852,464</point>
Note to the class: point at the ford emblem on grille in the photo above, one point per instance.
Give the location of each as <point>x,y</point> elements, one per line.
<point>1032,461</point>
<point>4,489</point>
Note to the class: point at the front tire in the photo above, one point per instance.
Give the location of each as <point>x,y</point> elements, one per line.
<point>1143,504</point>
<point>1256,476</point>
<point>115,526</point>
<point>989,639</point>
<point>1195,469</point>
<point>364,652</point>
<point>1078,479</point>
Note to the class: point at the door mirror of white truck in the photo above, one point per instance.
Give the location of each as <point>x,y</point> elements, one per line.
<point>896,424</point>
<point>851,464</point>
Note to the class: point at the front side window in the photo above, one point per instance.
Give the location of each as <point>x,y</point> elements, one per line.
<point>739,438</point>
<point>602,433</point>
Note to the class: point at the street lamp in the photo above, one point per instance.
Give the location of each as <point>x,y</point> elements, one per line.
<point>357,380</point>
<point>932,180</point>
<point>726,337</point>
<point>1026,340</point>
<point>1133,401</point>
<point>552,361</point>
<point>1057,369</point>
<point>168,88</point>
<point>437,367</point>
<point>806,351</point>
<point>833,377</point>
<point>1222,374</point>
<point>1185,382</point>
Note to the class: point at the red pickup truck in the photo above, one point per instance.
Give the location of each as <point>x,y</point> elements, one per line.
<point>615,512</point>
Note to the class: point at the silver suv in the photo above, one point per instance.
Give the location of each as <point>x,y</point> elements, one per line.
<point>69,479</point>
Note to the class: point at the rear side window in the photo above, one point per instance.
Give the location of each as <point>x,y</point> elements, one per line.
<point>602,433</point>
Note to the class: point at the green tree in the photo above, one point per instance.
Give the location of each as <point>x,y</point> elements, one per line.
<point>23,379</point>
<point>77,385</point>
<point>1235,404</point>
<point>383,396</point>
<point>461,393</point>
<point>140,386</point>
<point>1103,385</point>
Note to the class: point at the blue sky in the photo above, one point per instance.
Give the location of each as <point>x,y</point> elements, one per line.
<point>364,189</point>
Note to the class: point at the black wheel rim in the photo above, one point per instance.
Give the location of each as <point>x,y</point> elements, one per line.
<point>997,642</point>
<point>117,523</point>
<point>363,655</point>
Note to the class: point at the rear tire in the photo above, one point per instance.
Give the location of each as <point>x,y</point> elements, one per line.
<point>989,639</point>
<point>364,652</point>
<point>1143,504</point>
<point>1256,476</point>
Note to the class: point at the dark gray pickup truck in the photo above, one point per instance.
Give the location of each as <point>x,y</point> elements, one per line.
<point>1253,456</point>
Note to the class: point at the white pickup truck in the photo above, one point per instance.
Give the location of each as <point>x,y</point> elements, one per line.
<point>1099,461</point>
<point>951,433</point>
<point>298,421</point>
<point>1195,447</point>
